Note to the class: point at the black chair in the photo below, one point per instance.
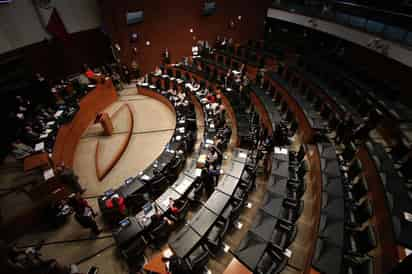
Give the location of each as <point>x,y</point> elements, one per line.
<point>283,234</point>
<point>159,234</point>
<point>357,190</point>
<point>348,153</point>
<point>232,211</point>
<point>358,265</point>
<point>248,178</point>
<point>359,214</point>
<point>134,250</point>
<point>198,259</point>
<point>273,261</point>
<point>297,157</point>
<point>216,235</point>
<point>360,242</point>
<point>158,185</point>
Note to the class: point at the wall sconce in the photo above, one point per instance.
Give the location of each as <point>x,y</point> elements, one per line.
<point>191,30</point>
<point>147,43</point>
<point>239,17</point>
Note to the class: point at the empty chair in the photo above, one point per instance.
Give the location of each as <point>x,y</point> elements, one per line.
<point>232,211</point>
<point>355,168</point>
<point>359,214</point>
<point>348,153</point>
<point>283,234</point>
<point>247,179</point>
<point>297,157</point>
<point>273,261</point>
<point>158,185</point>
<point>357,190</point>
<point>216,234</point>
<point>160,233</point>
<point>358,265</point>
<point>360,242</point>
<point>134,250</point>
<point>198,259</point>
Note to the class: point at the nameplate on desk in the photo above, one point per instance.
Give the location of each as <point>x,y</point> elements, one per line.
<point>48,174</point>
<point>165,76</point>
<point>152,86</point>
<point>279,150</point>
<point>172,78</point>
<point>128,180</point>
<point>39,146</point>
<point>144,84</point>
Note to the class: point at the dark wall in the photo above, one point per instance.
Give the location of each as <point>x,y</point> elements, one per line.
<point>57,59</point>
<point>167,23</point>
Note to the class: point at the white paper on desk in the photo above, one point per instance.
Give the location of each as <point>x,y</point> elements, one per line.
<point>39,146</point>
<point>235,72</point>
<point>50,123</point>
<point>181,130</point>
<point>198,171</point>
<point>152,86</point>
<point>242,155</point>
<point>229,89</point>
<point>209,141</point>
<point>58,113</point>
<point>20,115</point>
<point>408,252</point>
<point>91,86</point>
<point>44,136</point>
<point>407,216</point>
<point>179,81</point>
<point>178,138</point>
<point>167,253</point>
<point>48,131</point>
<point>288,253</point>
<point>145,177</point>
<point>48,174</point>
<point>165,76</point>
<point>279,150</point>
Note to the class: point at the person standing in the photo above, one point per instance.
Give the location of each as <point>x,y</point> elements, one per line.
<point>68,177</point>
<point>84,213</point>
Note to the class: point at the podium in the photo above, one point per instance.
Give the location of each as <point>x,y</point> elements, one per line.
<point>106,123</point>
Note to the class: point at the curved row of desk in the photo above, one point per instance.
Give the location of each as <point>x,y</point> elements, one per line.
<point>69,134</point>
<point>380,232</point>
<point>218,205</point>
<point>154,179</point>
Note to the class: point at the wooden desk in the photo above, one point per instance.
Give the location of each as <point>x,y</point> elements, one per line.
<point>106,123</point>
<point>36,161</point>
<point>236,267</point>
<point>156,264</point>
<point>69,134</point>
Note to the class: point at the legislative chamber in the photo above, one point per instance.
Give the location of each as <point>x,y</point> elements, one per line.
<point>200,137</point>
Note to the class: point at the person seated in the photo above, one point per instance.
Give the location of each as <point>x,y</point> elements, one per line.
<point>117,202</point>
<point>212,156</point>
<point>210,98</point>
<point>173,207</point>
<point>157,71</point>
<point>88,72</point>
